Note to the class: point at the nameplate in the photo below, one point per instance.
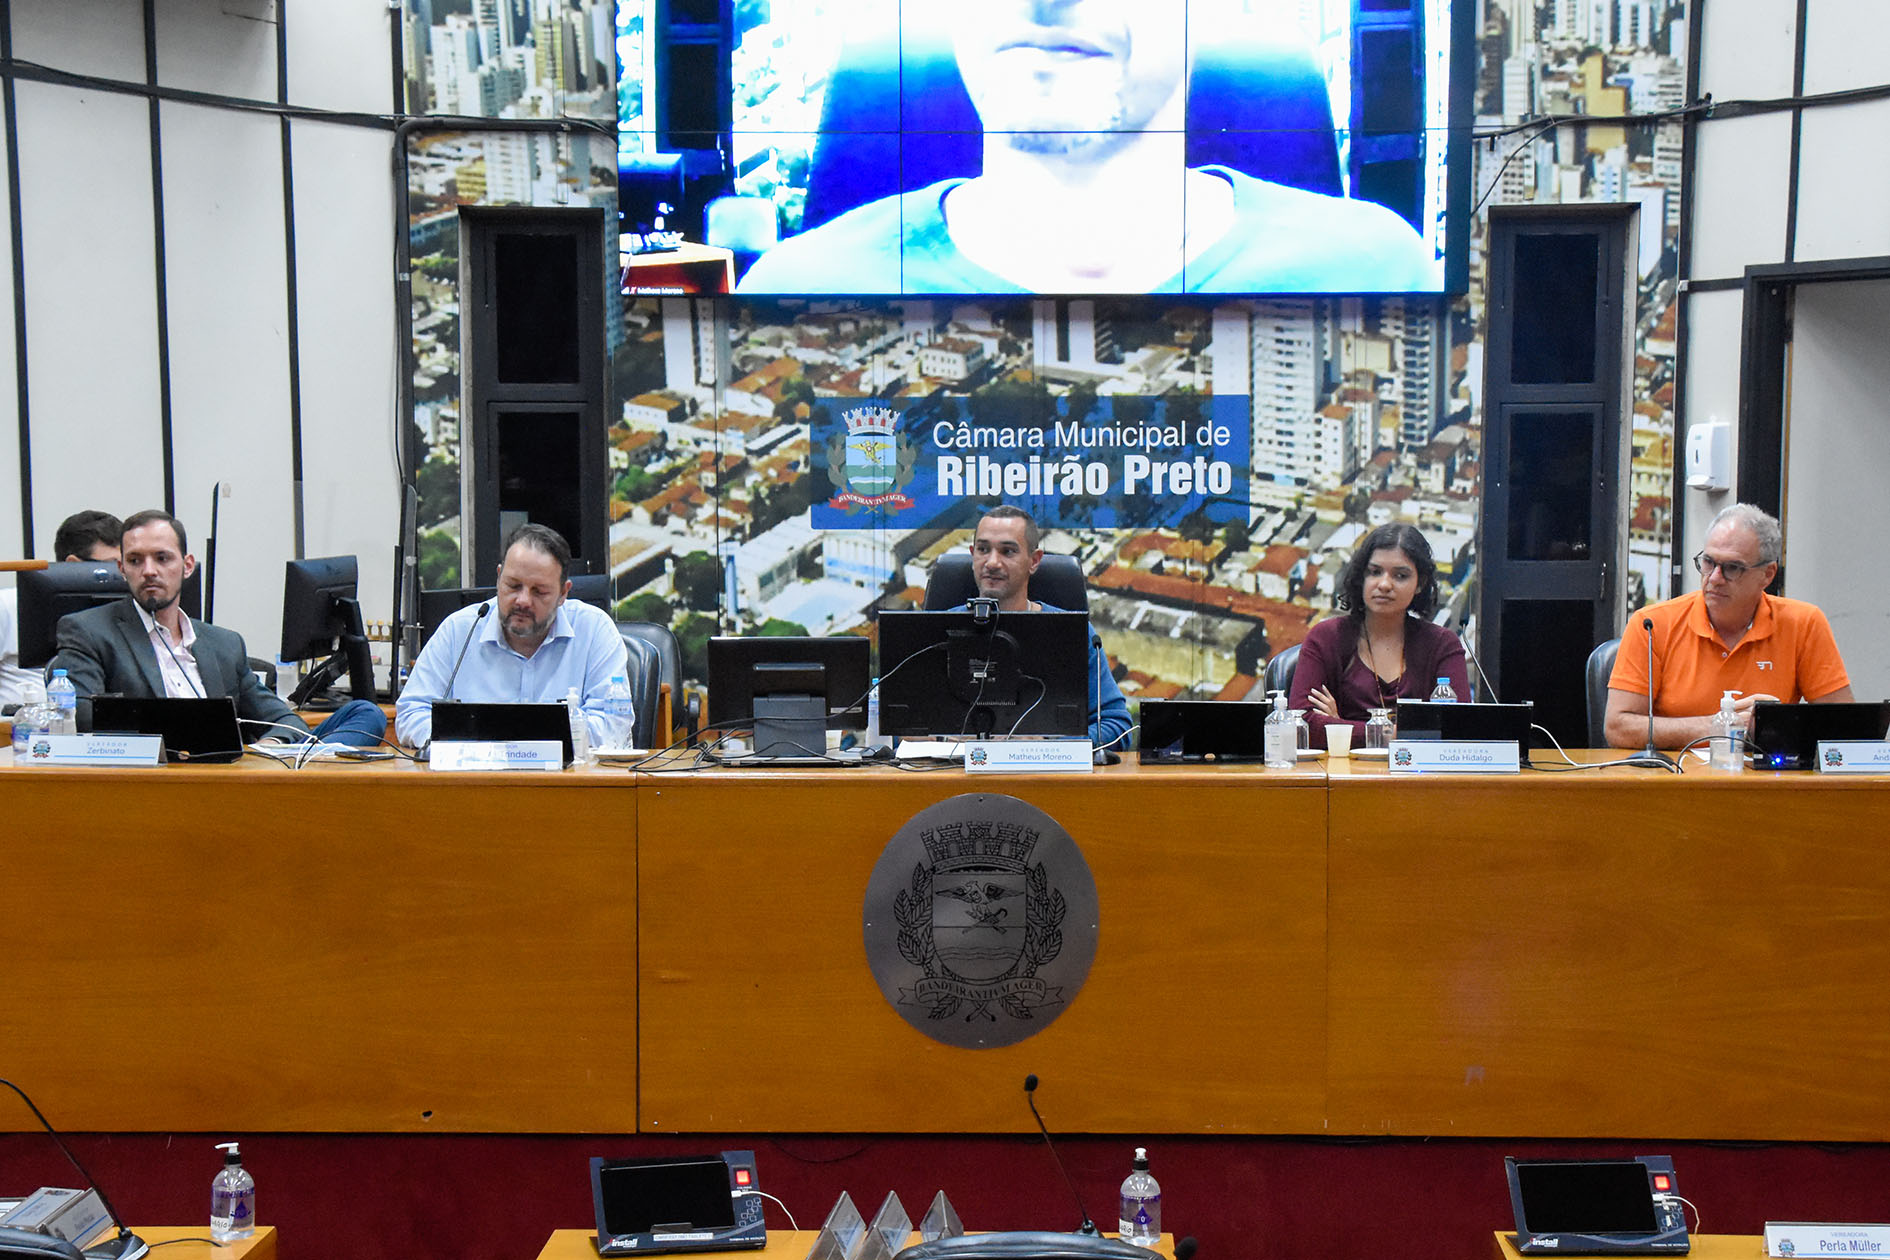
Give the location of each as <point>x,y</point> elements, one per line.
<point>1455,756</point>
<point>1854,756</point>
<point>497,754</point>
<point>1808,1238</point>
<point>1028,756</point>
<point>96,750</point>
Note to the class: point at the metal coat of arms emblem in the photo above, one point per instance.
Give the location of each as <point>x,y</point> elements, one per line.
<point>981,920</point>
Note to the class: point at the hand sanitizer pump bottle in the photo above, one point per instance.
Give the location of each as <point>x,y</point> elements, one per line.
<point>232,1198</point>
<point>1279,739</point>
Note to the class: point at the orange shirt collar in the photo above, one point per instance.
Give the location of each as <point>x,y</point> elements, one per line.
<point>1762,621</point>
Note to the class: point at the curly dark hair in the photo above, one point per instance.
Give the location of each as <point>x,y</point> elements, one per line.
<point>1403,538</point>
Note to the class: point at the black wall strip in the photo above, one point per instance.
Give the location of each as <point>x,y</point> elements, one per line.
<point>18,247</point>
<point>294,324</point>
<point>1798,129</point>
<point>159,276</point>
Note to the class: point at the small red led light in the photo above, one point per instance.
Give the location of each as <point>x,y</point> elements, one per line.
<point>1662,1182</point>
<point>743,1177</point>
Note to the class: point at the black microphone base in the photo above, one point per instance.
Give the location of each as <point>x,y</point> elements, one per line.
<point>124,1246</point>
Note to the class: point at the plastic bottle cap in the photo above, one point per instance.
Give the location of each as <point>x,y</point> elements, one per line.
<point>1141,1159</point>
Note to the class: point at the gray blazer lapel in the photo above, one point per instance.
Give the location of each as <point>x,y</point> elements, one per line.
<point>138,644</point>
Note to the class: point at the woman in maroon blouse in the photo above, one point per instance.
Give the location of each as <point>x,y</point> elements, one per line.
<point>1385,647</point>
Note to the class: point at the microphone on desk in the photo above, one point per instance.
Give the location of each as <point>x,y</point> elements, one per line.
<point>461,658</point>
<point>1185,1249</point>
<point>1030,1089</point>
<point>125,1245</point>
<point>1651,753</point>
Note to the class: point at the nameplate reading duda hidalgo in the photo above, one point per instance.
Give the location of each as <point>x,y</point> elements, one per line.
<point>980,920</point>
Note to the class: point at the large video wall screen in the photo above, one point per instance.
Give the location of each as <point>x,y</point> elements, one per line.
<point>911,147</point>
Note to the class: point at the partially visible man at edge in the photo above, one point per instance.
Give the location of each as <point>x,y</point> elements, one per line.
<point>1728,635</point>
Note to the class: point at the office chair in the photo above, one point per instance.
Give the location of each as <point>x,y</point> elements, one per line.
<point>1280,669</point>
<point>683,712</point>
<point>1600,666</point>
<point>1058,582</point>
<point>1253,105</point>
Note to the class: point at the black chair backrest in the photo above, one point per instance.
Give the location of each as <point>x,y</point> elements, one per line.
<point>645,666</point>
<point>1600,666</point>
<point>1279,673</point>
<point>1058,582</point>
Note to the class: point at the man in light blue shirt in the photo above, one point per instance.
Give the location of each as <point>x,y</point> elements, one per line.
<point>531,646</point>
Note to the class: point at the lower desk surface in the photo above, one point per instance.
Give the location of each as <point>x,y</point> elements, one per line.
<point>1705,1247</point>
<point>581,1244</point>
<point>259,1246</point>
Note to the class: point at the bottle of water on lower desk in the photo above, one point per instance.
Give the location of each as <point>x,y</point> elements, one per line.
<point>28,720</point>
<point>623,712</point>
<point>1443,692</point>
<point>64,699</point>
<point>1141,1216</point>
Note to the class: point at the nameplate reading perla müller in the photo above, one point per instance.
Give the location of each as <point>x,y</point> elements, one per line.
<point>1808,1238</point>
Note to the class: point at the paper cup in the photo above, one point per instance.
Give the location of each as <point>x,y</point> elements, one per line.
<point>1339,739</point>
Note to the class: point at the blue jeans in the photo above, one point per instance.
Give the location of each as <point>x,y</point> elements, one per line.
<point>358,723</point>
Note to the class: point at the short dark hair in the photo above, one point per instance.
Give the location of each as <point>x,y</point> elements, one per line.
<point>152,516</point>
<point>540,538</point>
<point>1404,538</point>
<point>1005,512</point>
<point>82,531</point>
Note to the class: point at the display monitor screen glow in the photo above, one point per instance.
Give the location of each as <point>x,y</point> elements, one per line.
<point>889,147</point>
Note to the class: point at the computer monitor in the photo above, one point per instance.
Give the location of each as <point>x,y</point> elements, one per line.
<point>792,690</point>
<point>956,674</point>
<point>69,586</point>
<point>437,606</point>
<point>321,620</point>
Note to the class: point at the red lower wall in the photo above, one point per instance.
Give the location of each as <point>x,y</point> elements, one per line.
<point>497,1197</point>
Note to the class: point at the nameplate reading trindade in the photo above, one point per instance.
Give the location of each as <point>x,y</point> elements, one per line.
<point>95,750</point>
<point>1455,756</point>
<point>1853,756</point>
<point>497,754</point>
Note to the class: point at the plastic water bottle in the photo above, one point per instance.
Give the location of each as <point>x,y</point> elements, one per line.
<point>232,1198</point>
<point>29,719</point>
<point>1141,1215</point>
<point>872,715</point>
<point>1443,693</point>
<point>580,730</point>
<point>622,708</point>
<point>1728,745</point>
<point>1279,737</point>
<point>64,699</point>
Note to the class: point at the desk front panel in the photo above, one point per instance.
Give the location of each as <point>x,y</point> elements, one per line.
<point>1614,953</point>
<point>1203,1012</point>
<point>356,948</point>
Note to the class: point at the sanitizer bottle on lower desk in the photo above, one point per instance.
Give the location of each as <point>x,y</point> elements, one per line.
<point>1728,747</point>
<point>1443,692</point>
<point>1279,737</point>
<point>232,1198</point>
<point>1141,1216</point>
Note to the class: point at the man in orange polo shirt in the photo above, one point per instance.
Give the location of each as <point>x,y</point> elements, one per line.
<point>1728,635</point>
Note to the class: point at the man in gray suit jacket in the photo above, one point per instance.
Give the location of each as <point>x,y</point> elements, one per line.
<point>146,646</point>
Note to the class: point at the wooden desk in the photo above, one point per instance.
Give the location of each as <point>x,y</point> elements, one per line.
<point>581,1244</point>
<point>259,1246</point>
<point>1705,1247</point>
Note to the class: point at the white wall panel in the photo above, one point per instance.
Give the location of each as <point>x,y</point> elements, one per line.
<point>1712,393</point>
<point>1844,181</point>
<point>344,215</point>
<point>1847,44</point>
<point>1837,459</point>
<point>204,48</point>
<point>91,305</point>
<point>1746,48</point>
<point>96,37</point>
<point>1739,194</point>
<point>341,54</point>
<point>229,352</point>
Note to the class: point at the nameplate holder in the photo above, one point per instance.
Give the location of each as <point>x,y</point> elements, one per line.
<point>1809,1238</point>
<point>96,750</point>
<point>497,754</point>
<point>1029,756</point>
<point>1455,756</point>
<point>1854,756</point>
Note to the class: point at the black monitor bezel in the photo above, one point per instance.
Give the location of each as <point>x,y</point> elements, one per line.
<point>845,663</point>
<point>917,698</point>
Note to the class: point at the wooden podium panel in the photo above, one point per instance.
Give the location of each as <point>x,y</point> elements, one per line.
<point>1615,953</point>
<point>356,948</point>
<point>1203,1011</point>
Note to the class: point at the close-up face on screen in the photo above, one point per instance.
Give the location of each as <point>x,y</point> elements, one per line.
<point>861,147</point>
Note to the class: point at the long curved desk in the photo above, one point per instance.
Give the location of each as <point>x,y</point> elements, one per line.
<point>1610,953</point>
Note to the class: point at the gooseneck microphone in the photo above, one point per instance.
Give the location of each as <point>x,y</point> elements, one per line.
<point>461,659</point>
<point>126,1245</point>
<point>1030,1089</point>
<point>1651,753</point>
